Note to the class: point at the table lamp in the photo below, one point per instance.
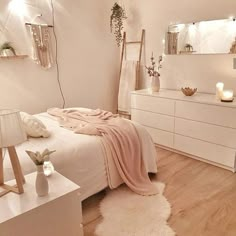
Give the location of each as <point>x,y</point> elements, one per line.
<point>11,133</point>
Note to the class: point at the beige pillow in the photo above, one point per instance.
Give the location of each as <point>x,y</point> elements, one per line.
<point>33,126</point>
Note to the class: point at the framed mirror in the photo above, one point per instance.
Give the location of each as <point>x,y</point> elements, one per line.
<point>205,37</point>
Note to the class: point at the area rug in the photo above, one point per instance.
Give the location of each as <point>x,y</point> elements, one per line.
<point>128,214</point>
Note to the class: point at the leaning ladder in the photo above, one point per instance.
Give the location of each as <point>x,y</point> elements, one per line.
<point>138,68</point>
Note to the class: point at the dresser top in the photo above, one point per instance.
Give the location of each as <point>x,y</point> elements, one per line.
<point>204,98</point>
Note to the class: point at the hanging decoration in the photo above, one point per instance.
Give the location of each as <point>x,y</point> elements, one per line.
<point>116,21</point>
<point>172,38</point>
<point>42,48</point>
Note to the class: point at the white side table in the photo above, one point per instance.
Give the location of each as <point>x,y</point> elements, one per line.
<point>59,213</point>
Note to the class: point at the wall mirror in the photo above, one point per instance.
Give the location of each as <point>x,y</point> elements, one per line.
<point>205,37</point>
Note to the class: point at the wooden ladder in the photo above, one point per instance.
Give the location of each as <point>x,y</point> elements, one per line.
<point>138,68</point>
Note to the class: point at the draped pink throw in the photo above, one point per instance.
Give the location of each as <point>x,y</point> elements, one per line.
<point>120,138</point>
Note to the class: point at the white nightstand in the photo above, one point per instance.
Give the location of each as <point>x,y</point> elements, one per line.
<point>59,213</point>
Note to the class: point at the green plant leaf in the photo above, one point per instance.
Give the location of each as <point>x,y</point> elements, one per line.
<point>116,21</point>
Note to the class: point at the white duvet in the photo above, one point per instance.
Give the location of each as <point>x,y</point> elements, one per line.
<point>78,157</point>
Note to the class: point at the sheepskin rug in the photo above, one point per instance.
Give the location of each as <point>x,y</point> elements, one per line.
<point>128,214</point>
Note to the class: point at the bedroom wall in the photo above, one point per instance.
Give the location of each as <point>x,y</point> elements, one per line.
<point>88,58</point>
<point>201,71</point>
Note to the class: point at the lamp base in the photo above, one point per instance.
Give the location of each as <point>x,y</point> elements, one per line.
<point>20,180</point>
<point>8,188</point>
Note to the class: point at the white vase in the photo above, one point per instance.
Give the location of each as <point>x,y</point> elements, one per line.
<point>155,83</point>
<point>41,183</point>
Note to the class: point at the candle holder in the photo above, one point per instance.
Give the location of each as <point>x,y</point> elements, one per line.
<point>227,96</point>
<point>227,100</point>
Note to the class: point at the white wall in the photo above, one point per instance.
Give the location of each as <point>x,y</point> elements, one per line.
<point>201,71</point>
<point>87,56</point>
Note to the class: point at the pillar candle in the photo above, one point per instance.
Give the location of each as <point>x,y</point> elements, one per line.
<point>219,89</point>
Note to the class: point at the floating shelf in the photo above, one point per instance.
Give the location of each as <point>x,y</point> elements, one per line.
<point>14,57</point>
<point>187,52</point>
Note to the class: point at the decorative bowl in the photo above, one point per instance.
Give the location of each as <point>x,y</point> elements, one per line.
<point>188,91</point>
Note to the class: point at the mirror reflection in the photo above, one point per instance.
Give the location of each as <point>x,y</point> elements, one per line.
<point>205,37</point>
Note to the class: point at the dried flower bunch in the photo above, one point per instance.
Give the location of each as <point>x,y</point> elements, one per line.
<point>116,21</point>
<point>151,69</point>
<point>39,158</point>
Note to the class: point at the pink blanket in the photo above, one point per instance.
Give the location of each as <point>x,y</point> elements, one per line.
<point>119,138</point>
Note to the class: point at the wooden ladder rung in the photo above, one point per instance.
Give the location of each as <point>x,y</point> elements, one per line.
<point>123,112</point>
<point>130,42</point>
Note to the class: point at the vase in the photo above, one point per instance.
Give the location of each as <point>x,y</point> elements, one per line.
<point>41,183</point>
<point>155,83</point>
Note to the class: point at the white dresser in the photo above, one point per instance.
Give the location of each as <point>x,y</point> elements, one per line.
<point>199,126</point>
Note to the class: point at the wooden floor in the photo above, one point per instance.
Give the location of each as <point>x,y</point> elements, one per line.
<point>203,197</point>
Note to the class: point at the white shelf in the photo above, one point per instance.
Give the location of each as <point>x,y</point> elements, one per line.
<point>13,57</point>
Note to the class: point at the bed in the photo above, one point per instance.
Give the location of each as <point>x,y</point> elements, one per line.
<point>78,157</point>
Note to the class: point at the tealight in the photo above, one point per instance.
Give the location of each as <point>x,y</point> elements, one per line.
<point>227,96</point>
<point>48,168</point>
<point>219,90</point>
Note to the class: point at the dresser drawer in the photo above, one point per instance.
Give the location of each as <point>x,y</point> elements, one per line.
<point>206,132</point>
<point>161,137</point>
<point>205,150</point>
<point>153,104</point>
<point>218,115</point>
<point>154,120</point>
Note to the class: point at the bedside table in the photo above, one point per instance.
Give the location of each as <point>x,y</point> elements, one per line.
<point>59,213</point>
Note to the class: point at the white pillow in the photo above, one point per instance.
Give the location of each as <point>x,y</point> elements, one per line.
<point>33,126</point>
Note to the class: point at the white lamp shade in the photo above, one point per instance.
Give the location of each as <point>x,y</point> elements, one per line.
<point>11,128</point>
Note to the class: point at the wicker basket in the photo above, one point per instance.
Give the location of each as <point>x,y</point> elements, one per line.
<point>188,91</point>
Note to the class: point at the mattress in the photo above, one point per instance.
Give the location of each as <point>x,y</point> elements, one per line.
<point>78,157</point>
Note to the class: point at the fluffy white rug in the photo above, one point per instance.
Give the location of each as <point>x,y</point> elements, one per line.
<point>128,214</point>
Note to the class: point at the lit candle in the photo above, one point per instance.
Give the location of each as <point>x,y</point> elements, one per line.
<point>227,95</point>
<point>219,89</point>
<point>48,168</point>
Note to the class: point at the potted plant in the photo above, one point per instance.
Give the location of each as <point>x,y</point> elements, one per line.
<point>188,47</point>
<point>116,21</point>
<point>7,49</point>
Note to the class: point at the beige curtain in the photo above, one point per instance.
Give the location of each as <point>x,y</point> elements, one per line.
<point>42,49</point>
<point>172,39</point>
